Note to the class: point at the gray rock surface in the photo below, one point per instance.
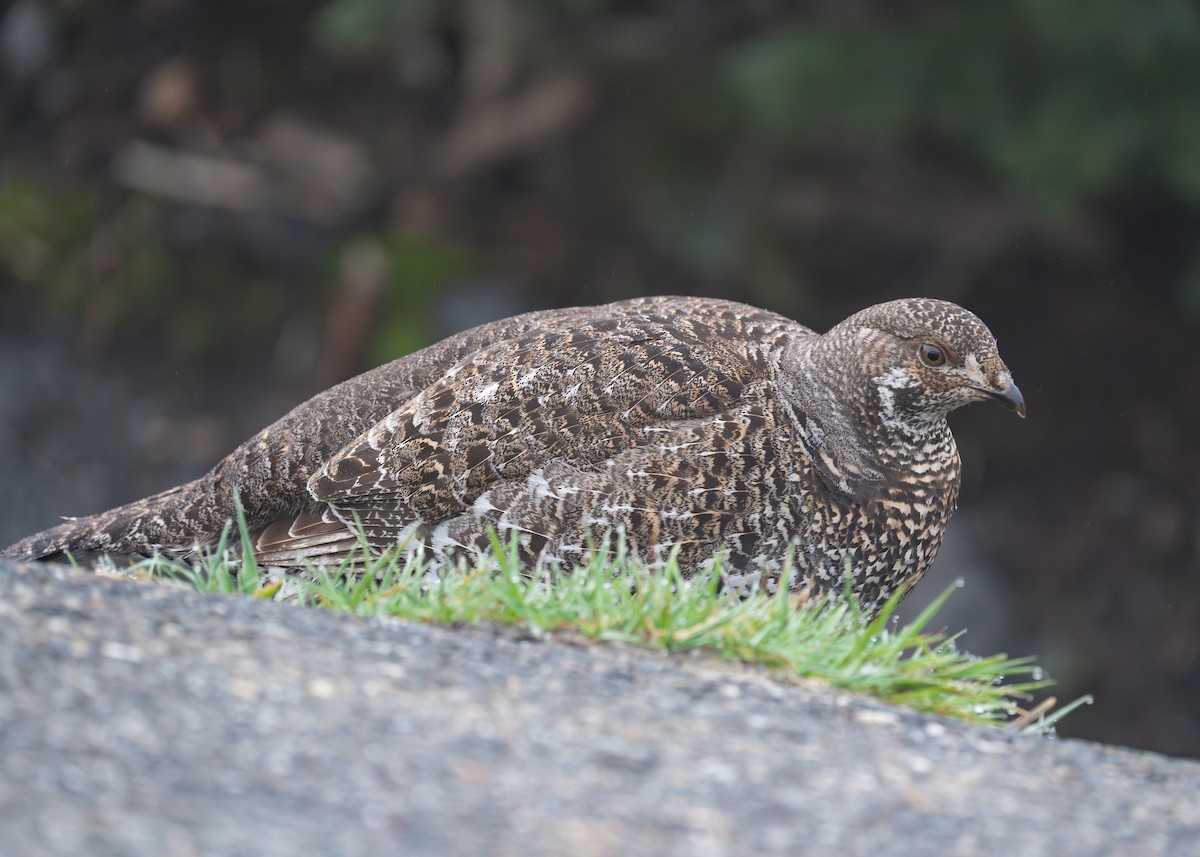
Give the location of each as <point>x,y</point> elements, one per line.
<point>139,719</point>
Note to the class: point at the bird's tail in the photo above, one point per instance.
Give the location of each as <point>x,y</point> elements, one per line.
<point>142,527</point>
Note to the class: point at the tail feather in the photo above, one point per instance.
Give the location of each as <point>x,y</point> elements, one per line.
<point>142,527</point>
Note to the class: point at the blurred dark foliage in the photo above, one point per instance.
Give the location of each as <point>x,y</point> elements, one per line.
<point>233,204</point>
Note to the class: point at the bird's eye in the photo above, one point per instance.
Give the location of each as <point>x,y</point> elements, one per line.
<point>931,355</point>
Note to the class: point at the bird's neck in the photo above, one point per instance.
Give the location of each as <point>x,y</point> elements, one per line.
<point>925,464</point>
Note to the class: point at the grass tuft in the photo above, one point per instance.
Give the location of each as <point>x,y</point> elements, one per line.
<point>614,597</point>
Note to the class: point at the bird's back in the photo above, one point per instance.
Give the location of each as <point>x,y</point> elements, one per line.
<point>575,391</point>
<point>442,389</point>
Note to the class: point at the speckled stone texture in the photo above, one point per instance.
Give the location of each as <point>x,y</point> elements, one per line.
<point>138,719</point>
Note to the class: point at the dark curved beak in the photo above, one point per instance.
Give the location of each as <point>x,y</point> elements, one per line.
<point>1008,395</point>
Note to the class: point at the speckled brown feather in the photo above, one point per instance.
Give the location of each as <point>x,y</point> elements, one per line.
<point>685,424</point>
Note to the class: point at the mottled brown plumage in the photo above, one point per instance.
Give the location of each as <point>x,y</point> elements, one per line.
<point>685,424</point>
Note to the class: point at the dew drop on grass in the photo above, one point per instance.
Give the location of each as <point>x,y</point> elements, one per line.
<point>1037,674</point>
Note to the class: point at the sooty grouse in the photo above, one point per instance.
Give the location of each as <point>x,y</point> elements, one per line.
<point>685,423</point>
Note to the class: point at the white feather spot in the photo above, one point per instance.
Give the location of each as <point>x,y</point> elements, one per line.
<point>538,485</point>
<point>896,378</point>
<point>483,504</point>
<point>528,378</point>
<point>440,539</point>
<point>974,371</point>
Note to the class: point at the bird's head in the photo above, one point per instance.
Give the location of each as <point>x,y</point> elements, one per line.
<point>921,359</point>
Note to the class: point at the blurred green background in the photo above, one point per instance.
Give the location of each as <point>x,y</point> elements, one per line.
<point>210,210</point>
